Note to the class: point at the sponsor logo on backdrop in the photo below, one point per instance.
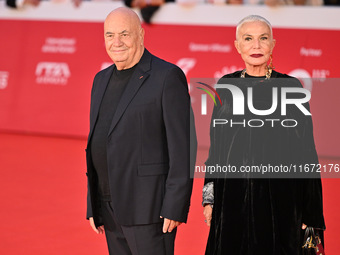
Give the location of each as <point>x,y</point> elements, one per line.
<point>55,73</point>
<point>210,47</point>
<point>307,79</point>
<point>186,64</point>
<point>105,65</point>
<point>3,79</point>
<point>320,73</point>
<point>59,45</point>
<point>310,52</point>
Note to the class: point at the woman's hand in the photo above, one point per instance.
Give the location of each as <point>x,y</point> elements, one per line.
<point>207,212</point>
<point>304,226</point>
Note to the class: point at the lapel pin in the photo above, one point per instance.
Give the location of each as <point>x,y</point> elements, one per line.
<point>141,77</point>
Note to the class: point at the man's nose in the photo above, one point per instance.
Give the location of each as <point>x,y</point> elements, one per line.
<point>117,41</point>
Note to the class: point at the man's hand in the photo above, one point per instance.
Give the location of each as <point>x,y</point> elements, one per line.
<point>169,225</point>
<point>99,230</point>
<point>207,212</point>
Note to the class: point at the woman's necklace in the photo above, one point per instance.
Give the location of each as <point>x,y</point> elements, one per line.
<point>268,74</point>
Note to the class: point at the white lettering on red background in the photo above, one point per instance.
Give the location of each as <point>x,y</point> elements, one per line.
<point>59,45</point>
<point>211,47</point>
<point>52,73</point>
<point>310,52</point>
<point>3,79</point>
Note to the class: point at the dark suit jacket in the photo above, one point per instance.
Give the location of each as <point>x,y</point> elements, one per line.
<point>148,145</point>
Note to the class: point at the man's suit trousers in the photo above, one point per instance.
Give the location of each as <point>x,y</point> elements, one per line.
<point>135,240</point>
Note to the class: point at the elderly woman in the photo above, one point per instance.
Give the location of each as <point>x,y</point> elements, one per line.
<point>247,214</point>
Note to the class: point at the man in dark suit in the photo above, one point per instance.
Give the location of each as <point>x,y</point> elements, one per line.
<point>138,152</point>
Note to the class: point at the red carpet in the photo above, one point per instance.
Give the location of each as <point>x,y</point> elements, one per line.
<point>43,197</point>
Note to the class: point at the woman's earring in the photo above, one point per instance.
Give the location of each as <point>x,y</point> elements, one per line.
<point>270,66</point>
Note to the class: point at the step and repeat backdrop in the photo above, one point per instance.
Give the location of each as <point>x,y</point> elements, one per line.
<point>50,54</point>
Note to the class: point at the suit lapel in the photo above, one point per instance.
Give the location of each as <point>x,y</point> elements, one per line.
<point>98,96</point>
<point>137,79</point>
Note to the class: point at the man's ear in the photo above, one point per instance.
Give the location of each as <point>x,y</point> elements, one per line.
<point>142,33</point>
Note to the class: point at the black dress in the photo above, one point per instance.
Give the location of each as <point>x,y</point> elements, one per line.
<point>262,215</point>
